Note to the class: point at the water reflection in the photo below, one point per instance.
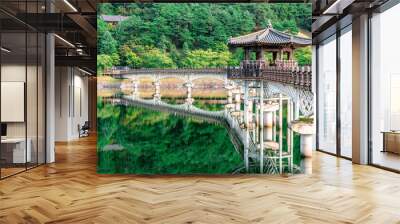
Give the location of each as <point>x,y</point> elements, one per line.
<point>279,140</point>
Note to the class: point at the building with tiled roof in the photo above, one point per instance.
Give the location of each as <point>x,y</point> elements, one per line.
<point>281,44</point>
<point>113,19</point>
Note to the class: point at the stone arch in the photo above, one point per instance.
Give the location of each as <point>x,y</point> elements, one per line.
<point>173,87</point>
<point>213,87</point>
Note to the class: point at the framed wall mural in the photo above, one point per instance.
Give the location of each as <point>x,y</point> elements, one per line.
<point>204,88</point>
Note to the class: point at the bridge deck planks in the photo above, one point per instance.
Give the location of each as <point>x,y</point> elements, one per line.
<point>70,191</point>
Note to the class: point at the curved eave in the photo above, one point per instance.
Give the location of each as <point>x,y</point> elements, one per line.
<point>270,45</point>
<point>269,38</point>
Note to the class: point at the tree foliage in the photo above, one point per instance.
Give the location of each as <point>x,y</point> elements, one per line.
<point>106,42</point>
<point>206,59</point>
<point>303,55</point>
<point>103,62</point>
<point>177,35</point>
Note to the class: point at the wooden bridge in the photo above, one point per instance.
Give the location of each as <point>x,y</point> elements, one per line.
<point>299,77</point>
<point>251,83</point>
<point>294,82</point>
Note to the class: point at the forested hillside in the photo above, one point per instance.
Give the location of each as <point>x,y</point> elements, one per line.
<point>190,35</point>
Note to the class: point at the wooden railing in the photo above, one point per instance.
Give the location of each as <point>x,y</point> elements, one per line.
<point>286,63</point>
<point>298,76</point>
<point>249,70</point>
<point>185,71</point>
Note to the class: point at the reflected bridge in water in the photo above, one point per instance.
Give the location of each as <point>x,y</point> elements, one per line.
<point>250,123</point>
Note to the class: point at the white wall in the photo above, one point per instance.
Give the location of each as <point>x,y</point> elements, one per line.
<point>12,73</point>
<point>33,126</point>
<point>71,102</point>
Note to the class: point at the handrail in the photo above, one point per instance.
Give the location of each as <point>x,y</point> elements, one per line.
<point>127,70</point>
<point>286,72</point>
<point>297,76</point>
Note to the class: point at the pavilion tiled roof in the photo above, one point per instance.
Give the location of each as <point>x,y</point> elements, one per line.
<point>268,37</point>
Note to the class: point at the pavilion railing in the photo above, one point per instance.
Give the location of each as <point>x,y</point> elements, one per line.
<point>286,63</point>
<point>297,76</point>
<point>252,67</point>
<point>285,72</point>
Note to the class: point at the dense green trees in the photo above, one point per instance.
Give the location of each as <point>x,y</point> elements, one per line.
<point>303,55</point>
<point>206,59</point>
<point>106,43</point>
<point>190,35</point>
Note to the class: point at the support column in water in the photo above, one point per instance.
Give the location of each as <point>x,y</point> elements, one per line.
<point>306,131</point>
<point>237,100</point>
<point>250,111</point>
<point>136,89</point>
<point>270,109</point>
<point>296,110</point>
<point>229,86</point>
<point>289,136</point>
<point>189,99</point>
<point>157,94</point>
<point>230,106</point>
<point>246,124</point>
<point>257,123</point>
<point>261,126</point>
<point>280,133</point>
<point>132,86</point>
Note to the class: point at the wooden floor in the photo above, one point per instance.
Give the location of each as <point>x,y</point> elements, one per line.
<point>387,159</point>
<point>70,191</point>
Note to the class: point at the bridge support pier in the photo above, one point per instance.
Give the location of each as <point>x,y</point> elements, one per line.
<point>230,87</point>
<point>262,127</point>
<point>269,120</point>
<point>246,124</point>
<point>237,101</point>
<point>296,110</point>
<point>306,131</point>
<point>157,94</point>
<point>306,142</point>
<point>269,113</point>
<point>280,121</point>
<point>230,96</point>
<point>289,136</point>
<point>256,134</point>
<point>280,133</point>
<point>189,99</point>
<point>135,89</point>
<point>250,110</point>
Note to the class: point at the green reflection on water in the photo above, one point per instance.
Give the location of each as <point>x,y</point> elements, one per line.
<point>140,141</point>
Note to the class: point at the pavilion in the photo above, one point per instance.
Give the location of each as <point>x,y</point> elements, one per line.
<point>280,44</point>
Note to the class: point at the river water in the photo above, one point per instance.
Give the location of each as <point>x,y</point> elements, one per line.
<point>134,140</point>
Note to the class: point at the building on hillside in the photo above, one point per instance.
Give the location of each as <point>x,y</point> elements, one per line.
<point>113,19</point>
<point>269,40</point>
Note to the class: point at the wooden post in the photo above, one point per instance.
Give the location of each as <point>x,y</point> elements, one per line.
<point>262,126</point>
<point>260,54</point>
<point>280,133</point>
<point>246,54</point>
<point>246,122</point>
<point>280,52</point>
<point>290,54</point>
